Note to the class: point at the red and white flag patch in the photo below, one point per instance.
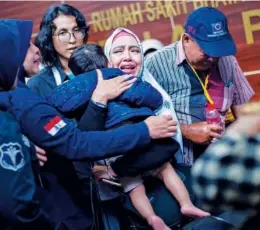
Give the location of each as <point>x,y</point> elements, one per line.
<point>54,125</point>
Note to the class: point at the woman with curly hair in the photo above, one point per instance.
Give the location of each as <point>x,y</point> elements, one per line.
<point>62,29</point>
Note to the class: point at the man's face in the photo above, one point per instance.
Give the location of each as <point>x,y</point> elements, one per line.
<point>194,54</point>
<point>32,60</point>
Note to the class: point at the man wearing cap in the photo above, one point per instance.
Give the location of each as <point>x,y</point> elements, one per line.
<point>198,70</point>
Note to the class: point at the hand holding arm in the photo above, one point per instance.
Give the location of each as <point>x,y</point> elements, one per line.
<point>161,126</point>
<point>143,94</point>
<point>107,90</point>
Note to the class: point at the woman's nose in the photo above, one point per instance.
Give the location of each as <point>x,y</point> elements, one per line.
<point>127,55</point>
<point>72,39</point>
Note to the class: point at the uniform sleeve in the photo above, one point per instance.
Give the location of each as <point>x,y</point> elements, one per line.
<point>43,125</point>
<point>18,206</point>
<point>93,119</point>
<point>36,84</point>
<point>142,94</point>
<point>71,98</point>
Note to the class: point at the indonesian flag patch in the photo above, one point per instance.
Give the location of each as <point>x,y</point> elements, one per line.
<point>54,125</point>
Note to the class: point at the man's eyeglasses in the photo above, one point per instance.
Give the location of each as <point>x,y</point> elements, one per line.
<point>65,36</point>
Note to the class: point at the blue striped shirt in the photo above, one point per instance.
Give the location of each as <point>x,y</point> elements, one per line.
<point>170,69</point>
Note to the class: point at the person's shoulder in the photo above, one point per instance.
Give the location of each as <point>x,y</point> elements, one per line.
<point>166,53</point>
<point>231,59</point>
<point>4,114</point>
<point>5,119</point>
<point>112,71</point>
<point>39,78</point>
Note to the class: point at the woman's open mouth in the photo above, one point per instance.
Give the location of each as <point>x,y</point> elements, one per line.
<point>129,69</point>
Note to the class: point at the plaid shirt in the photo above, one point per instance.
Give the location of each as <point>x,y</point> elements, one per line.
<point>227,175</point>
<point>171,70</point>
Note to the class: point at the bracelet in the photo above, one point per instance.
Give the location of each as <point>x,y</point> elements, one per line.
<point>99,104</point>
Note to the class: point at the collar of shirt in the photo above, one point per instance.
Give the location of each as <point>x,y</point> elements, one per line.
<point>63,75</point>
<point>180,52</point>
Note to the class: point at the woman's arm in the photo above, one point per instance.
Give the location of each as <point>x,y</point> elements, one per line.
<point>72,97</point>
<point>94,117</point>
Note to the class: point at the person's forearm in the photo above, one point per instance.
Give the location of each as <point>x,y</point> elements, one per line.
<point>185,130</point>
<point>72,143</point>
<point>236,109</point>
<point>93,119</point>
<point>38,121</point>
<point>97,145</point>
<point>99,97</point>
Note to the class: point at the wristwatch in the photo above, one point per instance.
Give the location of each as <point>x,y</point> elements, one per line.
<point>99,104</point>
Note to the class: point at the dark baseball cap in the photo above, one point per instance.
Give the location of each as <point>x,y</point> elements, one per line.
<point>209,28</point>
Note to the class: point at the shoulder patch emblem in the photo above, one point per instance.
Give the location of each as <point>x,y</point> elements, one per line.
<point>11,156</point>
<point>54,125</point>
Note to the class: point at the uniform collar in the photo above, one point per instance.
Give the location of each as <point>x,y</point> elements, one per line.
<point>63,75</point>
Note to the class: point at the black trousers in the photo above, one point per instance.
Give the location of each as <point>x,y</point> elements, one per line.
<point>142,160</point>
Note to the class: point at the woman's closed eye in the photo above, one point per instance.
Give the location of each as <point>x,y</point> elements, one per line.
<point>117,51</point>
<point>135,50</point>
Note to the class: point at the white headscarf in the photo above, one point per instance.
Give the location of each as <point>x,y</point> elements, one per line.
<point>167,107</point>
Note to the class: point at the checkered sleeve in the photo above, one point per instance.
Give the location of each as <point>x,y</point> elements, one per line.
<point>227,174</point>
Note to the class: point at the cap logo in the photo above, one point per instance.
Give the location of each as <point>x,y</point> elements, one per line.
<point>218,26</point>
<point>191,30</point>
<point>217,30</point>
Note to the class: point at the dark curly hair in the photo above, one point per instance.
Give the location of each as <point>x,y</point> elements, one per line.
<point>44,38</point>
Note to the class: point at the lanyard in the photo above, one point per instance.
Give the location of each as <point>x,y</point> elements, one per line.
<point>204,86</point>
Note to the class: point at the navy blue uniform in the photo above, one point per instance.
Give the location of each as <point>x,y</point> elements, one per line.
<point>43,125</point>
<point>19,206</point>
<point>22,201</point>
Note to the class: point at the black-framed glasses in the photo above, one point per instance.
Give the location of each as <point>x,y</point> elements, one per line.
<point>65,36</point>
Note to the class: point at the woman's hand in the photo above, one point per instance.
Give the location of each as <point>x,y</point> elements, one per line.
<point>107,90</point>
<point>161,126</point>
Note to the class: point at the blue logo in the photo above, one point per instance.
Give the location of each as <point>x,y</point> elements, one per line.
<point>217,30</point>
<point>11,156</point>
<point>217,26</point>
